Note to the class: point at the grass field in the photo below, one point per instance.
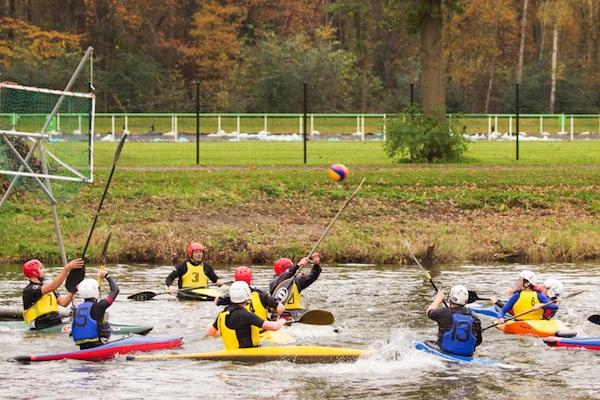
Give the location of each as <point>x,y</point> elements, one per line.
<point>320,153</point>
<point>458,212</point>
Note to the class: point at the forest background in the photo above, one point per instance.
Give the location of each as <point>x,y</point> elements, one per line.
<point>357,56</point>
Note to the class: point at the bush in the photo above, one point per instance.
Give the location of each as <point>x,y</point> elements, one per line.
<point>418,138</point>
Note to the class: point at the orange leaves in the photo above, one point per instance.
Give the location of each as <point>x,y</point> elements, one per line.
<point>20,40</point>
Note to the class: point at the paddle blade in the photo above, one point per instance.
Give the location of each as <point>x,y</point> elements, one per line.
<point>594,319</point>
<point>75,277</point>
<point>105,248</point>
<point>317,317</point>
<point>120,147</point>
<point>141,296</point>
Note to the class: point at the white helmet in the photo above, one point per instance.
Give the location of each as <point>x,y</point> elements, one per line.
<point>554,287</point>
<point>239,292</point>
<point>88,288</point>
<point>528,276</point>
<point>459,295</point>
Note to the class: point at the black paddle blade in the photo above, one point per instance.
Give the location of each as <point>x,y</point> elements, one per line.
<point>317,317</point>
<point>105,248</point>
<point>472,297</point>
<point>141,296</point>
<point>594,319</point>
<point>75,277</point>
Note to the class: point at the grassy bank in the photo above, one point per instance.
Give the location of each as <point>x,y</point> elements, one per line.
<point>255,215</point>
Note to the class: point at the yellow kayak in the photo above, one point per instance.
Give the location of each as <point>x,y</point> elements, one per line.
<point>541,328</point>
<point>204,294</point>
<point>277,337</point>
<point>297,354</point>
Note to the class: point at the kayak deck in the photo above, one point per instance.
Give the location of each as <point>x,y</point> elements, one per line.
<point>431,348</point>
<point>540,328</point>
<point>206,294</point>
<point>65,327</point>
<point>296,354</point>
<point>573,343</point>
<point>108,350</point>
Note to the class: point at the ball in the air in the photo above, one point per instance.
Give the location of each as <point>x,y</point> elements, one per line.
<point>337,172</point>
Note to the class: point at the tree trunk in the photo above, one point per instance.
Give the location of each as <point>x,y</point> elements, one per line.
<point>490,87</point>
<point>433,98</point>
<point>554,67</point>
<point>522,44</point>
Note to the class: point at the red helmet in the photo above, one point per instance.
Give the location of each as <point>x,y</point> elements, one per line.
<point>282,265</point>
<point>31,268</point>
<point>243,274</point>
<point>194,246</point>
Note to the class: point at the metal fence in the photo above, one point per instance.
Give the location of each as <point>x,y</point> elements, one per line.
<point>271,139</point>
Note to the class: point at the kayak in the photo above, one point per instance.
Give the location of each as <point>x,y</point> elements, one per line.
<point>429,346</point>
<point>490,311</point>
<point>65,327</point>
<point>205,294</point>
<point>296,354</point>
<point>541,328</point>
<point>579,343</point>
<point>109,350</point>
<point>16,313</point>
<point>277,337</point>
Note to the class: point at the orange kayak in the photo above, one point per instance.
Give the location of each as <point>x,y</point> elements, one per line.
<point>541,328</point>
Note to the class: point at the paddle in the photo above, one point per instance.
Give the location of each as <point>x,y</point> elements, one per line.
<point>532,310</point>
<point>427,275</point>
<point>149,295</point>
<point>314,317</point>
<point>283,291</point>
<point>473,297</point>
<point>594,319</point>
<point>103,257</point>
<point>77,275</point>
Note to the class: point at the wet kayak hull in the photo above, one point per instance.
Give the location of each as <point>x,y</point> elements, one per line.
<point>108,350</point>
<point>296,354</point>
<point>540,328</point>
<point>431,348</point>
<point>65,327</point>
<point>579,343</point>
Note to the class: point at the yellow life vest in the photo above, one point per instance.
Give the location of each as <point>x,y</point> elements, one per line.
<point>295,300</point>
<point>194,277</point>
<point>527,299</point>
<point>229,336</point>
<point>45,305</point>
<point>256,306</point>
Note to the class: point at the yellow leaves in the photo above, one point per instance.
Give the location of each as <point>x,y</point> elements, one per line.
<point>19,39</point>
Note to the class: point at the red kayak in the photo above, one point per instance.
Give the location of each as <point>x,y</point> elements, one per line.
<point>572,343</point>
<point>109,350</point>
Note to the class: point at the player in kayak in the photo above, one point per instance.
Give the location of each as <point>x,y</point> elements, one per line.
<point>90,327</point>
<point>40,299</point>
<point>260,303</point>
<point>285,269</point>
<point>459,331</point>
<point>193,272</point>
<point>238,327</point>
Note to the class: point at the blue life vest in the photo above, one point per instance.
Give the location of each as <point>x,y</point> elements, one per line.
<point>459,340</point>
<point>84,328</point>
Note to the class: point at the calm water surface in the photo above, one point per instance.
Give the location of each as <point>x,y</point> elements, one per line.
<point>376,308</point>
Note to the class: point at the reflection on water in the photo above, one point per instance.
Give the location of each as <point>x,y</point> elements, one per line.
<point>379,308</point>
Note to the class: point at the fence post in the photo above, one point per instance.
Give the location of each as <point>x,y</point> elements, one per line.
<point>304,118</point>
<point>384,127</point>
<point>197,123</point>
<point>112,126</point>
<point>572,128</point>
<point>175,127</point>
<point>517,109</point>
<point>489,133</point>
<point>541,124</point>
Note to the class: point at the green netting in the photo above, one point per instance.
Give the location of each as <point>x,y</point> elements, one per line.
<point>25,110</point>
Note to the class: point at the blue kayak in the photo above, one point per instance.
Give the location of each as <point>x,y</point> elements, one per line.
<point>489,311</point>
<point>431,348</point>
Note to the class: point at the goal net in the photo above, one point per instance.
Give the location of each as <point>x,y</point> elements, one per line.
<point>26,127</point>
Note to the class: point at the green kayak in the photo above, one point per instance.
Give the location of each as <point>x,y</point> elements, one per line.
<point>65,327</point>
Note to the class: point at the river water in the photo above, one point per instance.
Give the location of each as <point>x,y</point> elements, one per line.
<point>380,308</point>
